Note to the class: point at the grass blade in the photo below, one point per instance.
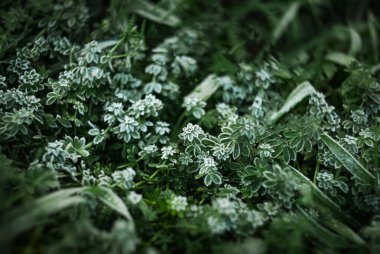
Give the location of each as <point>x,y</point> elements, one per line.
<point>26,217</point>
<point>152,12</point>
<point>286,19</point>
<point>348,160</point>
<point>206,89</point>
<point>340,58</point>
<point>110,199</point>
<point>334,238</point>
<point>296,96</point>
<point>319,231</point>
<point>322,200</point>
<point>29,216</point>
<point>343,230</point>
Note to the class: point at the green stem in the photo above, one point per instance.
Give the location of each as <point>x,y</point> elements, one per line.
<point>90,109</point>
<point>139,183</point>
<point>177,125</point>
<point>337,174</point>
<point>316,171</point>
<point>376,155</point>
<point>116,46</point>
<point>89,145</point>
<point>71,56</point>
<point>148,201</point>
<point>123,151</point>
<point>155,236</point>
<point>119,56</point>
<point>35,236</point>
<point>155,173</point>
<point>75,126</point>
<point>128,164</point>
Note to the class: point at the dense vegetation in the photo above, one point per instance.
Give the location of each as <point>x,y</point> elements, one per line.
<point>181,126</point>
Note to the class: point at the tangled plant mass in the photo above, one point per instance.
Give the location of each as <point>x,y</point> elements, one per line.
<point>180,126</point>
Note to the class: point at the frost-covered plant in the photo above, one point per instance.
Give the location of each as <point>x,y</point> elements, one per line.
<point>327,182</point>
<point>194,106</point>
<point>170,127</point>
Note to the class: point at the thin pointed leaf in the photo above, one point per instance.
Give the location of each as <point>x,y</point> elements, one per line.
<point>286,19</point>
<point>340,58</point>
<point>206,88</point>
<point>155,13</point>
<point>32,214</point>
<point>343,230</point>
<point>348,160</point>
<point>109,198</point>
<point>296,96</point>
<point>321,198</point>
<point>356,41</point>
<point>319,231</point>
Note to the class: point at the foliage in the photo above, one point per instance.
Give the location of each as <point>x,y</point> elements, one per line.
<point>189,126</point>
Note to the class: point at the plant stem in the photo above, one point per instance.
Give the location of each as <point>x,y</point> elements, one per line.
<point>155,173</point>
<point>316,171</point>
<point>116,46</point>
<point>177,125</point>
<point>119,56</point>
<point>376,155</point>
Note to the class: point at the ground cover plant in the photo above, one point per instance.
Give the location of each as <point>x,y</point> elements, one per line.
<point>181,126</point>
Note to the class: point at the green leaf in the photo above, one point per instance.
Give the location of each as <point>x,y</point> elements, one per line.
<point>34,213</point>
<point>206,88</point>
<point>155,13</point>
<point>39,210</point>
<point>338,227</point>
<point>236,150</point>
<point>286,154</point>
<point>297,95</point>
<point>51,98</point>
<point>93,132</point>
<point>319,231</point>
<point>340,58</point>
<point>64,121</point>
<point>343,230</point>
<point>98,140</point>
<point>323,201</point>
<point>356,41</point>
<point>105,44</point>
<point>213,177</point>
<point>286,19</point>
<point>348,160</point>
<point>110,199</point>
